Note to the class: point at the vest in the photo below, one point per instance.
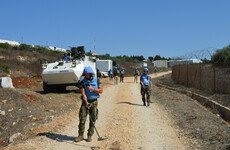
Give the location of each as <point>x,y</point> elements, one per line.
<point>66,57</point>
<point>110,72</point>
<point>91,94</point>
<point>146,79</point>
<point>122,71</point>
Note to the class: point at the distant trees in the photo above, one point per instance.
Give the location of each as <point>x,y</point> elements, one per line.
<point>151,58</point>
<point>121,58</point>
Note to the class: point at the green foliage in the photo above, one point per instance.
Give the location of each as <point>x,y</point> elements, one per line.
<point>151,58</point>
<point>5,67</point>
<point>222,55</point>
<point>206,61</point>
<point>25,47</point>
<point>122,58</point>
<point>5,45</point>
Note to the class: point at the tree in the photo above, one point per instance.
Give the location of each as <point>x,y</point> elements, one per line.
<point>157,57</point>
<point>222,55</point>
<point>151,58</point>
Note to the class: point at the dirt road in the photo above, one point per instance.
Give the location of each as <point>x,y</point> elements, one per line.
<point>123,120</point>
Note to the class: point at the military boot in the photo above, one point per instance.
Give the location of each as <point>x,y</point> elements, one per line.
<point>89,139</point>
<point>79,138</point>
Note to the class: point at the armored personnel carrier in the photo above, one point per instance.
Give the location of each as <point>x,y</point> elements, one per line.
<point>58,75</point>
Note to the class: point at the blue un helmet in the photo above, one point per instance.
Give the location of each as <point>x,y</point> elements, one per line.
<point>88,70</point>
<point>146,69</point>
<point>136,68</point>
<point>98,68</point>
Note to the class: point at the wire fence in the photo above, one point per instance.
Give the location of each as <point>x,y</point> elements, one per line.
<point>202,76</point>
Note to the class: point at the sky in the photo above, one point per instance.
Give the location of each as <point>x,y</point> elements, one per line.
<point>169,28</point>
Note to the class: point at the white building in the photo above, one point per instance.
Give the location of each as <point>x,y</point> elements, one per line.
<point>57,49</point>
<point>183,61</point>
<point>160,63</point>
<point>144,64</point>
<point>10,42</point>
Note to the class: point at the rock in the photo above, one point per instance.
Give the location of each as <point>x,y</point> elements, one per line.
<point>4,101</point>
<point>2,113</point>
<point>13,137</point>
<point>9,110</point>
<point>6,82</point>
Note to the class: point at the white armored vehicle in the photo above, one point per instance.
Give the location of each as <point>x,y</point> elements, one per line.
<point>57,75</point>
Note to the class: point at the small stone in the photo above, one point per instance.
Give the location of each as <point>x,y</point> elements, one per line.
<point>13,137</point>
<point>2,113</point>
<point>14,123</point>
<point>9,110</point>
<point>4,101</point>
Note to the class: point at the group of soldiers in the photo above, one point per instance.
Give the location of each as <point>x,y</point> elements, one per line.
<point>90,88</point>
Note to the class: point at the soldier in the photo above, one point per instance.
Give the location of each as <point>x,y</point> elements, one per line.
<point>90,89</point>
<point>98,73</point>
<point>122,75</point>
<point>115,75</point>
<point>135,75</point>
<point>146,86</point>
<point>111,74</point>
<point>65,57</point>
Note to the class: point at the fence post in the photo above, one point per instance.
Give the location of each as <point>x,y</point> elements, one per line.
<point>187,74</point>
<point>200,76</point>
<point>214,79</point>
<point>178,80</point>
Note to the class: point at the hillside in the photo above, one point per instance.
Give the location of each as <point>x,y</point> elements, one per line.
<point>24,62</point>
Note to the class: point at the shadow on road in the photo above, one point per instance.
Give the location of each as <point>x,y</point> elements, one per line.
<point>60,92</point>
<point>129,103</point>
<point>57,137</point>
<point>64,138</point>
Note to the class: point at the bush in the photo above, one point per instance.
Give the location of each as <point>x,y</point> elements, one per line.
<point>5,67</point>
<point>222,55</point>
<point>25,47</point>
<point>5,45</point>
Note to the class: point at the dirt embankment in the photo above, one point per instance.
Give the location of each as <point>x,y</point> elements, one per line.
<point>223,99</point>
<point>24,110</point>
<point>203,129</point>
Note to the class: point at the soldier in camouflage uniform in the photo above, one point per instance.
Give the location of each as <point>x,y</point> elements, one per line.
<point>90,88</point>
<point>116,73</point>
<point>146,86</point>
<point>136,74</point>
<point>122,72</point>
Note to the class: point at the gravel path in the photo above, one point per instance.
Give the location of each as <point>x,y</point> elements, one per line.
<point>123,120</point>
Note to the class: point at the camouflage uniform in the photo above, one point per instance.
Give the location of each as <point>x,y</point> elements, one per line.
<point>116,74</point>
<point>145,91</point>
<point>93,112</point>
<point>136,75</point>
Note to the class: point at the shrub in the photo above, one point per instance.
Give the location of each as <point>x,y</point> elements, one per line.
<point>222,55</point>
<point>5,67</point>
<point>5,45</point>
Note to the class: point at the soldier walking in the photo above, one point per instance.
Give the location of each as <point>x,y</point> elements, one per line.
<point>90,89</point>
<point>115,75</point>
<point>136,74</point>
<point>122,75</point>
<point>146,86</point>
<point>111,74</point>
<point>98,73</point>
